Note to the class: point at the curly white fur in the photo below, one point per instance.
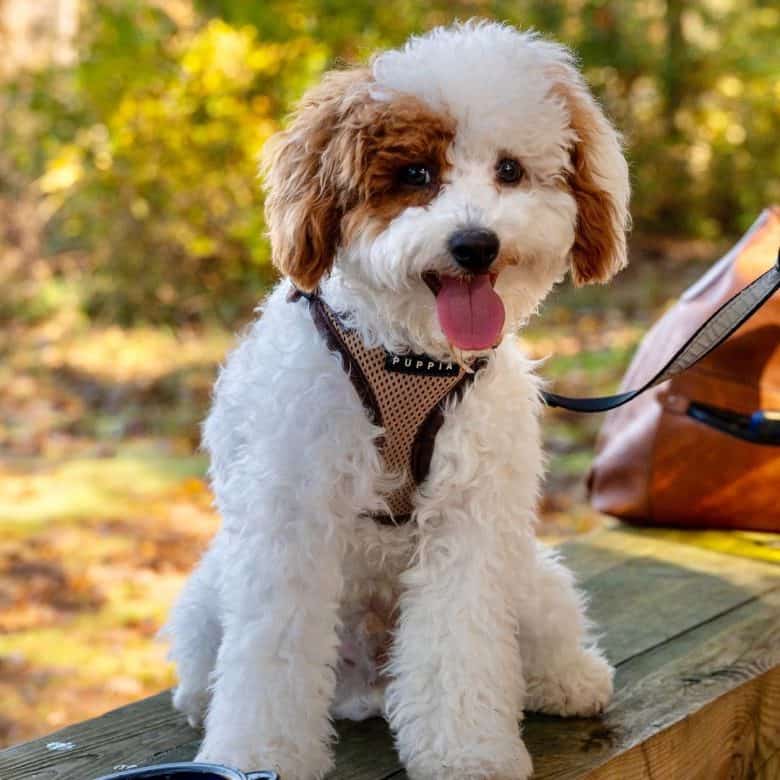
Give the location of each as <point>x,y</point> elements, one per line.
<point>303,608</point>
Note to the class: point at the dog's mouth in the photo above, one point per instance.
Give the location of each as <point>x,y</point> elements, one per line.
<point>470,311</point>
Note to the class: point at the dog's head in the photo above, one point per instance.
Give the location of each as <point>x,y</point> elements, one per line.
<point>452,183</point>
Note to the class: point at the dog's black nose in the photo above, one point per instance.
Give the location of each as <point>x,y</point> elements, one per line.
<point>474,248</point>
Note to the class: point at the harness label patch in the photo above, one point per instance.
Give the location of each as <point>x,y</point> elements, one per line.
<point>420,365</point>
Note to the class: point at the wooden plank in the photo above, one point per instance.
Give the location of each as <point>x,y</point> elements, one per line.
<point>648,602</point>
<point>150,732</point>
<point>137,733</point>
<point>644,591</point>
<point>685,627</point>
<point>657,692</point>
<point>736,736</point>
<point>689,629</point>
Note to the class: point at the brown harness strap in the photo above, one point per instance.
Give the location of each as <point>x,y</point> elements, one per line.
<point>405,394</point>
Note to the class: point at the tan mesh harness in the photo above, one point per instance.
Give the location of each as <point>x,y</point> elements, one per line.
<point>404,394</point>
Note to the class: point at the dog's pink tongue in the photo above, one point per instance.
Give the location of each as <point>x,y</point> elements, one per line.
<point>470,312</point>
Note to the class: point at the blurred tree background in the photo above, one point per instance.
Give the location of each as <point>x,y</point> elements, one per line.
<point>132,244</point>
<point>141,148</point>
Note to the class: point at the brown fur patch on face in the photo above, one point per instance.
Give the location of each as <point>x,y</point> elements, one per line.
<point>337,167</point>
<point>389,136</point>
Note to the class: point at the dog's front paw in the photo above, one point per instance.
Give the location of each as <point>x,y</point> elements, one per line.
<point>192,703</point>
<point>576,685</point>
<point>287,760</point>
<point>513,763</point>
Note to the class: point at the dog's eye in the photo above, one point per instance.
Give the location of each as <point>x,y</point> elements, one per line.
<point>509,170</point>
<point>416,175</point>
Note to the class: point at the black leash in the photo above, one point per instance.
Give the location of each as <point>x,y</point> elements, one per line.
<point>733,313</point>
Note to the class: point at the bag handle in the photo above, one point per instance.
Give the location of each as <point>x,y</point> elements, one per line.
<point>711,334</point>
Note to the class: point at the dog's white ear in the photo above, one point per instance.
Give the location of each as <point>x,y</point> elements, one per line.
<point>305,203</point>
<point>599,182</point>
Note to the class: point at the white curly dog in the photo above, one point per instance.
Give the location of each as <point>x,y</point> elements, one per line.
<point>432,200</point>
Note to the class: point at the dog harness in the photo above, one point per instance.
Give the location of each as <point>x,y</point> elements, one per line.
<point>404,394</point>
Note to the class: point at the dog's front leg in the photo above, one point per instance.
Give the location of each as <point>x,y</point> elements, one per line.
<point>274,676</point>
<point>566,673</point>
<point>457,680</point>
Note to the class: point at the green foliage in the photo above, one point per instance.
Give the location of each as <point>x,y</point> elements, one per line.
<point>160,182</point>
<point>144,150</point>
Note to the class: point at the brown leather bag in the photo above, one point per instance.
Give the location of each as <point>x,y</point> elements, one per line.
<point>690,452</point>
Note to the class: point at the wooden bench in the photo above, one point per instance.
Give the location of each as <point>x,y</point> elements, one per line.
<point>695,636</point>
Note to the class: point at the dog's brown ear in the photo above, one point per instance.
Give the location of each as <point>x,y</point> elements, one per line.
<point>599,182</point>
<point>305,202</point>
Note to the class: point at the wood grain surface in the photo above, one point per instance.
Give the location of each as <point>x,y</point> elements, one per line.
<point>695,635</point>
